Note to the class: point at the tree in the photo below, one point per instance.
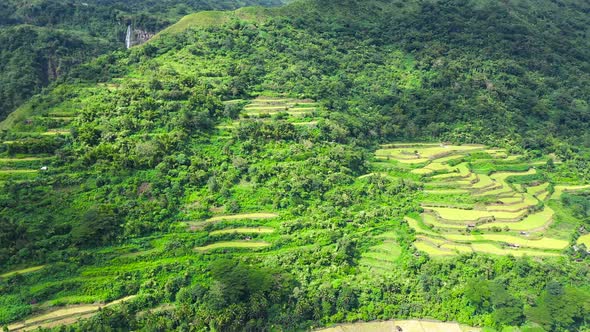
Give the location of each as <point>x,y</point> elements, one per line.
<point>98,225</point>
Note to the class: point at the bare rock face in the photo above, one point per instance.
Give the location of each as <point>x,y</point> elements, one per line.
<point>142,36</point>
<point>137,37</point>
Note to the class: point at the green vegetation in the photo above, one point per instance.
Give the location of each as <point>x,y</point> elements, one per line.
<point>233,244</point>
<point>502,221</point>
<point>22,271</point>
<point>405,325</point>
<point>238,173</point>
<point>43,40</point>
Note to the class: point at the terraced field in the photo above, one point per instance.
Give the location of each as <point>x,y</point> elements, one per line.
<point>585,240</point>
<point>246,230</point>
<point>381,258</point>
<point>265,106</point>
<point>299,112</point>
<point>62,316</point>
<point>253,232</point>
<point>490,209</point>
<point>22,271</point>
<point>30,140</point>
<point>402,325</point>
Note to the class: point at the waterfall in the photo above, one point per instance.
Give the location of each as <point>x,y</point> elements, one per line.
<point>128,37</point>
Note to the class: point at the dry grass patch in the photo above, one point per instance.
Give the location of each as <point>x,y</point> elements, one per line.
<point>405,325</point>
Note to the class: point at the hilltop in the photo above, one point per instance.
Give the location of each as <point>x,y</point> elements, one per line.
<point>318,163</point>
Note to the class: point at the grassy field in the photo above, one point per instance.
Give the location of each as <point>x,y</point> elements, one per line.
<point>431,249</point>
<point>23,271</point>
<point>585,240</point>
<point>560,189</point>
<point>512,200</point>
<point>488,248</point>
<point>234,244</point>
<point>544,196</point>
<point>446,191</point>
<point>244,230</point>
<point>458,248</point>
<point>530,222</point>
<point>518,206</point>
<point>544,243</point>
<point>269,106</point>
<point>419,227</point>
<point>433,221</point>
<point>62,316</point>
<point>215,18</point>
<point>503,190</point>
<point>251,216</point>
<point>424,152</point>
<point>384,255</point>
<point>473,215</point>
<point>17,171</point>
<point>535,190</point>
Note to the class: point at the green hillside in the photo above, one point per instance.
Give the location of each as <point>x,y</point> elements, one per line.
<point>308,165</point>
<point>42,40</point>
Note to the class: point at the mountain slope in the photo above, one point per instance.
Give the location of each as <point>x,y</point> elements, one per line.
<point>42,40</point>
<point>229,174</point>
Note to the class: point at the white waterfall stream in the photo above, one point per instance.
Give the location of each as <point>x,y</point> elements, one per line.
<point>128,37</point>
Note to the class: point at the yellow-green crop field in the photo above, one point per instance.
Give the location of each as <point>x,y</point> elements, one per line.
<point>585,240</point>
<point>489,212</point>
<point>560,189</point>
<point>530,222</point>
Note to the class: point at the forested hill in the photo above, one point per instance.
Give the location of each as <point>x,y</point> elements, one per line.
<point>299,166</point>
<point>41,40</point>
<point>497,67</point>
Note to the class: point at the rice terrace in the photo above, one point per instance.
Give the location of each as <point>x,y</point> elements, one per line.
<point>295,165</point>
<point>479,199</point>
